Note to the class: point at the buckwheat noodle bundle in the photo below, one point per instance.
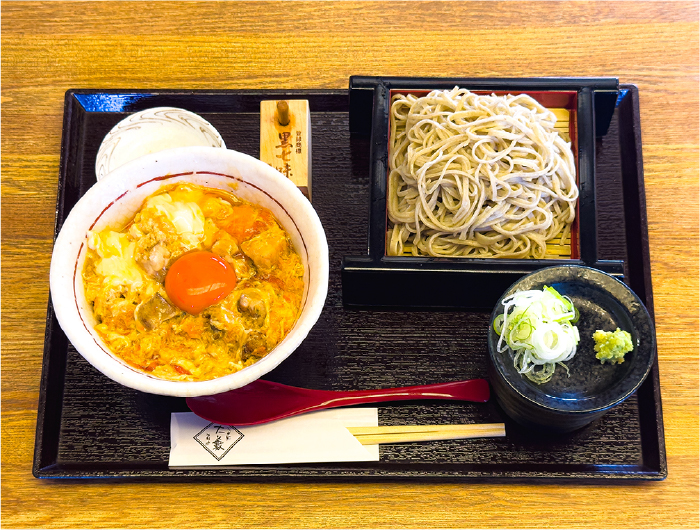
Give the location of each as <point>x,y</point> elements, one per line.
<point>477,176</point>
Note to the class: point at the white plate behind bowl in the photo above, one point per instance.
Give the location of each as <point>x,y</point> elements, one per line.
<point>114,201</point>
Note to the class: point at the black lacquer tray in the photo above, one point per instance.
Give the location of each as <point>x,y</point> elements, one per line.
<point>90,427</point>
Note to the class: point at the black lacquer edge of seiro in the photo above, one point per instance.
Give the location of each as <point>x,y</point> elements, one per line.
<point>52,420</point>
<point>376,280</point>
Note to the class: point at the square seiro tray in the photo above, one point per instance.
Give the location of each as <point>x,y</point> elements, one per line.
<point>91,427</point>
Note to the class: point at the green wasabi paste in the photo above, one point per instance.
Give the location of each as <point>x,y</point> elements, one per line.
<point>611,346</point>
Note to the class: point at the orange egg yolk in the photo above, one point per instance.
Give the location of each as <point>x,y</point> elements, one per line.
<point>197,280</point>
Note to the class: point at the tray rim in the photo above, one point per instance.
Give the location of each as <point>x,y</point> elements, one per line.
<point>44,466</point>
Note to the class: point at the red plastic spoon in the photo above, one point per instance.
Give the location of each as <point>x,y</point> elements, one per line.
<point>263,401</point>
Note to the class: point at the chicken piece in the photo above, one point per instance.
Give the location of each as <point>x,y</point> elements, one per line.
<point>226,323</point>
<point>225,246</point>
<point>215,207</point>
<point>255,346</point>
<point>154,260</point>
<point>243,267</point>
<point>210,233</point>
<point>135,232</point>
<point>154,311</point>
<point>266,248</point>
<point>222,318</point>
<point>252,305</point>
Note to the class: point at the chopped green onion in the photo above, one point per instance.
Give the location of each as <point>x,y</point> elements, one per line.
<point>523,329</point>
<point>498,324</point>
<point>564,299</point>
<point>538,328</point>
<point>576,316</point>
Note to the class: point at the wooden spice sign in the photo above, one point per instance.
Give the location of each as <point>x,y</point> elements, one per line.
<point>285,139</point>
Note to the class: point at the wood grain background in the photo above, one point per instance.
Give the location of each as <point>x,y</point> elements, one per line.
<point>49,47</point>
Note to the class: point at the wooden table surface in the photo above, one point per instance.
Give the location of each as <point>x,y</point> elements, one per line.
<point>50,47</point>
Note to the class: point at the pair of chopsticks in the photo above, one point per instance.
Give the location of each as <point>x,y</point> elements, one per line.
<point>425,433</point>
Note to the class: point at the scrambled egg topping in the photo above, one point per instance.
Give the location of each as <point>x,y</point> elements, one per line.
<point>124,277</point>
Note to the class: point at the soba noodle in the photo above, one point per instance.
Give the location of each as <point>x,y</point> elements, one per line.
<point>477,176</point>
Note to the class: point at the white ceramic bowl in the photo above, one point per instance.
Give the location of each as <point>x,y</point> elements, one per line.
<point>115,200</point>
<point>150,131</point>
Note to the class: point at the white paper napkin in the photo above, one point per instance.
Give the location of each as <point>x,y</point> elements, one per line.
<point>313,437</point>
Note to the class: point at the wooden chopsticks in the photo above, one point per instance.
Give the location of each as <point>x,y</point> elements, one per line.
<point>424,433</point>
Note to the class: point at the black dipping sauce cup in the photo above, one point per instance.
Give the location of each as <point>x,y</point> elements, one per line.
<point>568,402</point>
